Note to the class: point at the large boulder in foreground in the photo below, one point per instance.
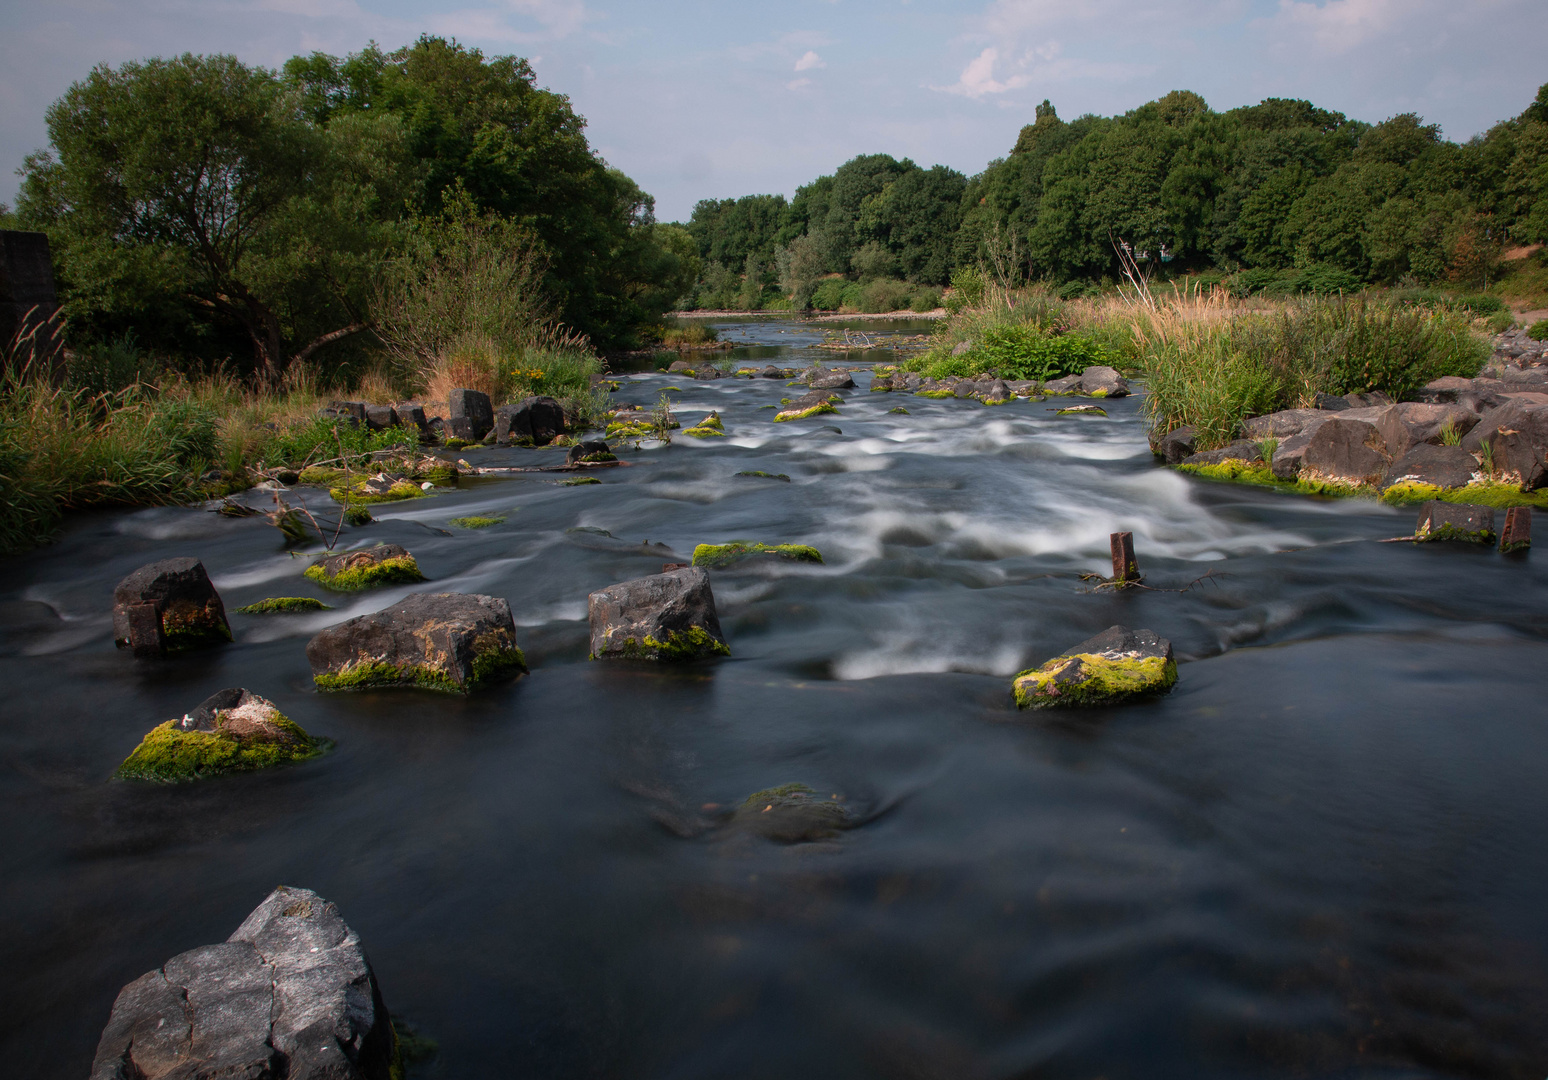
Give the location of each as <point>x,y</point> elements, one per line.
<point>168,605</point>
<point>233,730</point>
<point>290,994</point>
<point>1116,666</point>
<point>668,616</point>
<point>351,571</point>
<point>456,642</point>
<point>538,420</point>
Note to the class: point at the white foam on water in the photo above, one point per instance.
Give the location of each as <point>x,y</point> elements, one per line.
<point>908,653</point>
<point>272,569</point>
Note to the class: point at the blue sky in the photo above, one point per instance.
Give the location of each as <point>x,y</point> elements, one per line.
<point>706,99</point>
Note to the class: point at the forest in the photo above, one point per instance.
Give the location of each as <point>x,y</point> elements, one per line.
<point>1279,197</point>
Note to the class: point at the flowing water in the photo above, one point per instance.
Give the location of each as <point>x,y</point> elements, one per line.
<point>1321,855</point>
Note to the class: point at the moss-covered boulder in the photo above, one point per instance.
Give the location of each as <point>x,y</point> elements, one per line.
<point>476,521</point>
<point>1081,410</point>
<point>716,556</point>
<point>667,616</point>
<point>710,427</point>
<point>276,605</point>
<point>232,731</point>
<point>168,606</point>
<point>383,487</point>
<point>815,403</point>
<point>589,452</point>
<point>791,814</point>
<point>456,642</point>
<point>366,568</point>
<point>1116,666</point>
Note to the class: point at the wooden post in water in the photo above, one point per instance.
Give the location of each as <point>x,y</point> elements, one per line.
<point>1517,533</point>
<point>1125,568</point>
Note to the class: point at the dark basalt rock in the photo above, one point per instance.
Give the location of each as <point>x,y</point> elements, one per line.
<point>1177,445</point>
<point>1455,521</point>
<point>411,415</point>
<point>771,372</point>
<point>1361,401</point>
<point>1516,434</point>
<point>791,814</point>
<point>233,730</point>
<point>668,616</point>
<point>1104,381</point>
<point>289,994</point>
<point>589,450</point>
<point>1069,384</point>
<point>1283,424</point>
<point>1116,666</point>
<point>831,380</point>
<point>353,411</point>
<point>440,641</point>
<point>168,605</point>
<point>380,417</point>
<point>1409,423</point>
<point>350,571</point>
<point>1443,466</point>
<point>1331,403</point>
<point>1346,451</point>
<point>473,407</point>
<point>537,419</point>
<point>1241,450</point>
<point>997,394</point>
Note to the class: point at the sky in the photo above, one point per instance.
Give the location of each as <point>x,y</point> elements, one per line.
<point>704,99</point>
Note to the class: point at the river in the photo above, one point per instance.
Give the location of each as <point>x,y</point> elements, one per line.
<point>1321,855</point>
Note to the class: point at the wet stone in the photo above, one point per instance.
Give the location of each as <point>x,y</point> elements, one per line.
<point>474,407</point>
<point>667,616</point>
<point>350,571</point>
<point>791,814</point>
<point>1116,666</point>
<point>186,605</point>
<point>1176,445</point>
<point>1455,521</point>
<point>289,994</point>
<point>1440,466</point>
<point>1517,532</point>
<point>456,642</point>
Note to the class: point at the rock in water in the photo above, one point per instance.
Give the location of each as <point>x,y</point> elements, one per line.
<point>1103,381</point>
<point>456,642</point>
<point>290,994</point>
<point>537,419</point>
<point>351,571</point>
<point>1114,667</point>
<point>1455,521</point>
<point>590,451</point>
<point>473,408</point>
<point>182,602</point>
<point>1177,444</point>
<point>232,731</point>
<point>667,616</point>
<point>791,814</point>
<point>831,380</point>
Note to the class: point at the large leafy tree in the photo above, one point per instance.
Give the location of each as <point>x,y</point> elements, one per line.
<point>188,194</point>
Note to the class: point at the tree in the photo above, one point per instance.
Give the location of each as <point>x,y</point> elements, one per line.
<point>194,182</point>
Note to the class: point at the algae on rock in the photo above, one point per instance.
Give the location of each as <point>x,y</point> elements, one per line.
<point>232,731</point>
<point>720,555</point>
<point>1116,666</point>
<point>366,568</point>
<point>277,604</point>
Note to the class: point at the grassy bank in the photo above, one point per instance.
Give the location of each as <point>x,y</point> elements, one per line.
<point>173,439</point>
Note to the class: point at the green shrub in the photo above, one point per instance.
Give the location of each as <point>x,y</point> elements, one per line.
<point>926,300</point>
<point>327,438</point>
<point>829,294</point>
<point>1500,322</point>
<point>1538,331</point>
<point>849,299</point>
<point>1021,351</point>
<point>967,286</point>
<point>1479,306</point>
<point>1071,290</point>
<point>884,294</point>
<point>108,367</point>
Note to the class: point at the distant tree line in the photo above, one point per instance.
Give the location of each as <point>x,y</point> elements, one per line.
<point>1279,188</point>
<point>215,210</point>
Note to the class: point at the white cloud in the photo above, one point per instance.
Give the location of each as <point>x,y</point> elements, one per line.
<point>810,60</point>
<point>978,79</point>
<point>1341,25</point>
<point>796,84</point>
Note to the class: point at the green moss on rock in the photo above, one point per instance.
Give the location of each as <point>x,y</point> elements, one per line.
<point>403,489</point>
<point>317,474</point>
<point>401,570</point>
<point>716,555</point>
<point>764,475</point>
<point>679,646</point>
<point>937,394</point>
<point>901,410</point>
<point>802,414</point>
<point>487,665</point>
<point>1098,680</point>
<point>476,522</point>
<point>169,754</point>
<point>580,481</point>
<point>277,604</point>
<point>780,792</point>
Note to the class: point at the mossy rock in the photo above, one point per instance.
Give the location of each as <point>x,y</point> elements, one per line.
<point>1499,496</point>
<point>694,643</point>
<point>352,571</point>
<point>1116,666</point>
<point>357,516</point>
<point>580,481</point>
<point>281,604</point>
<point>451,642</point>
<point>232,731</point>
<point>476,522</point>
<point>791,814</point>
<point>803,414</point>
<point>397,491</point>
<point>721,555</point>
<point>1081,410</point>
<point>939,395</point>
<point>764,475</point>
<point>900,410</point>
<point>630,430</point>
